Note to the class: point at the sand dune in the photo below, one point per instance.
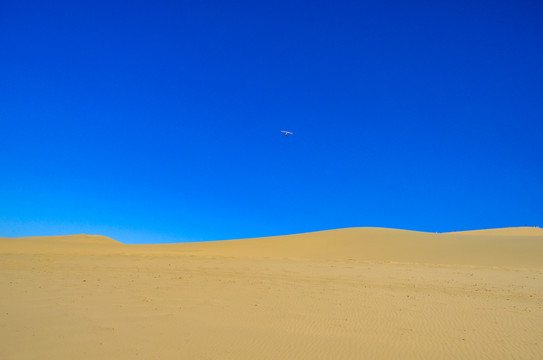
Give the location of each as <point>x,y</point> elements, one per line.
<point>357,293</point>
<point>521,247</point>
<point>511,231</point>
<point>512,247</point>
<point>82,244</point>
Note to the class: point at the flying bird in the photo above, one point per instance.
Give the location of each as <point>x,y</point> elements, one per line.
<point>287,132</point>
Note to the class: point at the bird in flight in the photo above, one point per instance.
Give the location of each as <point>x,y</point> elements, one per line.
<point>287,133</point>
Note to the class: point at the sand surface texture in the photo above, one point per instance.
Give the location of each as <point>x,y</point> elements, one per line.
<point>359,293</point>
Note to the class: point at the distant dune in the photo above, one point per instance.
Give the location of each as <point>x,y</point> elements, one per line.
<point>519,248</point>
<point>513,247</point>
<point>510,231</point>
<point>67,244</point>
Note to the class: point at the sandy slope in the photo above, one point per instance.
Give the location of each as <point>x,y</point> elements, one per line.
<point>340,294</point>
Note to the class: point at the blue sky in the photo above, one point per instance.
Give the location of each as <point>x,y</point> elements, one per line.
<point>159,121</point>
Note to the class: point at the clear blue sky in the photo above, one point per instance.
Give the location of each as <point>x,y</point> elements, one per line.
<point>159,121</point>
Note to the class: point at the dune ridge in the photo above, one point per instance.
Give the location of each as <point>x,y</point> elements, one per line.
<point>512,247</point>
<point>509,231</point>
<point>63,244</point>
<point>379,244</point>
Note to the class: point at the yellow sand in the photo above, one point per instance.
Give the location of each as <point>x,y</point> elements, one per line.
<point>359,293</point>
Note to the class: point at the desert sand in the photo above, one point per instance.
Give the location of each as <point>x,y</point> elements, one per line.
<point>357,293</point>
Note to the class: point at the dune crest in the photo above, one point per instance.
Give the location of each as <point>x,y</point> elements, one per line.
<point>519,248</point>
<point>80,243</point>
<point>510,247</point>
<point>510,231</point>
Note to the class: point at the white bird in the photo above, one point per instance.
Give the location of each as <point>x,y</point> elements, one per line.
<point>287,132</point>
